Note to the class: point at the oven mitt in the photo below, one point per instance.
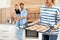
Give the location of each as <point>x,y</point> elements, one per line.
<point>17,28</point>
<point>22,26</point>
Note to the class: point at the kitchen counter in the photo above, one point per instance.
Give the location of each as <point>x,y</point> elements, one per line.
<point>7,32</point>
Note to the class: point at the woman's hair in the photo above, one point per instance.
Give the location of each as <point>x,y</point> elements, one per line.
<point>53,1</point>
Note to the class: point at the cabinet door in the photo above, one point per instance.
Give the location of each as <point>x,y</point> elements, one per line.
<point>4,15</point>
<point>0,16</point>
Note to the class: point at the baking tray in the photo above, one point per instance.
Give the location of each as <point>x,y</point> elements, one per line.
<point>38,28</point>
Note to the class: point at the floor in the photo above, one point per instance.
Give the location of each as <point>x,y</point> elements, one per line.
<point>7,32</point>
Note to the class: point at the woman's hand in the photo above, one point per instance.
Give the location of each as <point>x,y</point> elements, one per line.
<point>55,27</point>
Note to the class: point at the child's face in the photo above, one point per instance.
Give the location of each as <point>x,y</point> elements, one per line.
<point>16,7</point>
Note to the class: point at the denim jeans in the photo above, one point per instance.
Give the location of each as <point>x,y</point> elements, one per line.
<point>17,15</point>
<point>49,37</point>
<point>19,34</point>
<point>17,22</point>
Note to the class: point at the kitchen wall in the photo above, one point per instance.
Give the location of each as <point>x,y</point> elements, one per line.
<point>33,6</point>
<point>0,16</point>
<point>58,3</point>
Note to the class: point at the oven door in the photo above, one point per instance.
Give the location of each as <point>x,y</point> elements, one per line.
<point>30,33</point>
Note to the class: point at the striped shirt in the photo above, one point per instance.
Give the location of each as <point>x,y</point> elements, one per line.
<point>48,16</point>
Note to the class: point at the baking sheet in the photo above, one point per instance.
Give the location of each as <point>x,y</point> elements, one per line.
<point>38,28</point>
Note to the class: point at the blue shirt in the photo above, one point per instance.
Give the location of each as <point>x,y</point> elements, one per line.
<point>23,13</point>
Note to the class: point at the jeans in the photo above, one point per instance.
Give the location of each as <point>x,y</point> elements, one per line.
<point>17,22</point>
<point>17,15</point>
<point>49,37</point>
<point>19,34</point>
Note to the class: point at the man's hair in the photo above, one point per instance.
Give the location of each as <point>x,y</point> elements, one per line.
<point>21,4</point>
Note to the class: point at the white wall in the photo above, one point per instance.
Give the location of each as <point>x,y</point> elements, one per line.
<point>58,3</point>
<point>4,3</point>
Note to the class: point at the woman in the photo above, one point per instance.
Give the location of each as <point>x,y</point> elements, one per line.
<point>49,15</point>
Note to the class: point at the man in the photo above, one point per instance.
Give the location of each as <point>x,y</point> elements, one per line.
<point>49,15</point>
<point>23,20</point>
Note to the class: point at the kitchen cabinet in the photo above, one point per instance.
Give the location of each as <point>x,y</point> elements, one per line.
<point>0,16</point>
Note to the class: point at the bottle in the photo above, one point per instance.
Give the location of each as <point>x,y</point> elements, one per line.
<point>9,21</point>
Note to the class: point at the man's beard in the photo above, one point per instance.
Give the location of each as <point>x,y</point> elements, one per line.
<point>22,8</point>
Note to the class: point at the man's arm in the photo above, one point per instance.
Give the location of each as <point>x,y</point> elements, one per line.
<point>20,17</point>
<point>33,22</point>
<point>24,15</point>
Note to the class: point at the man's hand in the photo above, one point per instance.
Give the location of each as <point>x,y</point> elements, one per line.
<point>22,17</point>
<point>33,23</point>
<point>18,18</point>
